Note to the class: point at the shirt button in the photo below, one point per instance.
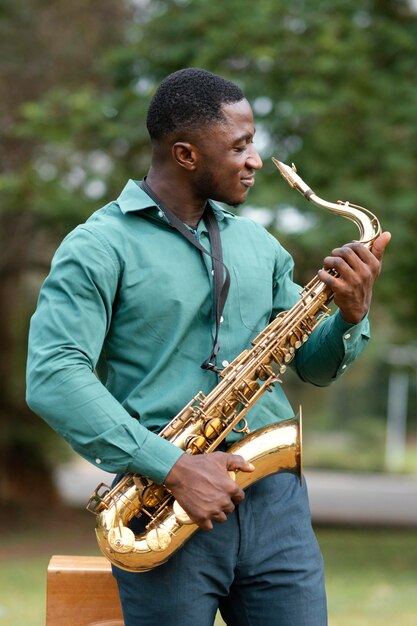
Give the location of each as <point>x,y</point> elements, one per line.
<point>98,461</point>
<point>161,213</point>
<point>221,319</point>
<point>344,367</point>
<point>347,336</point>
<point>225,363</point>
<point>212,272</point>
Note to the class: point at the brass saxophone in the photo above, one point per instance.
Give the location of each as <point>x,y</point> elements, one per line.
<point>207,419</point>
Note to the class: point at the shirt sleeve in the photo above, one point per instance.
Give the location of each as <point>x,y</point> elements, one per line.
<point>334,344</point>
<point>66,337</point>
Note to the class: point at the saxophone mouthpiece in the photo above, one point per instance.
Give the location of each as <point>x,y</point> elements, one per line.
<point>292,178</point>
<point>285,171</point>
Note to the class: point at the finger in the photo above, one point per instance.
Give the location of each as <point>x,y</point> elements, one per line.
<point>237,494</point>
<point>343,269</point>
<point>236,462</point>
<point>354,255</point>
<point>229,509</point>
<point>205,525</point>
<point>219,517</point>
<point>380,244</point>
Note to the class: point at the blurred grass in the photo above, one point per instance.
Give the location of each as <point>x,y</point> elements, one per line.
<point>22,594</point>
<point>371,574</point>
<point>27,542</point>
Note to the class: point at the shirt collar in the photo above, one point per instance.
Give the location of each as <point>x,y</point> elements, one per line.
<point>133,199</point>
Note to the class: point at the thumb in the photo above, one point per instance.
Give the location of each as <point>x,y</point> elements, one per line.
<point>236,462</point>
<point>380,244</point>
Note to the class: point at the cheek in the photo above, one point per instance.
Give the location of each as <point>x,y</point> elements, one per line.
<point>234,171</point>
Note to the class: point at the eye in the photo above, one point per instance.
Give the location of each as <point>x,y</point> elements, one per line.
<point>244,145</point>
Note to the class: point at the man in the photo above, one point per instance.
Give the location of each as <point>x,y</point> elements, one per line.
<point>130,298</point>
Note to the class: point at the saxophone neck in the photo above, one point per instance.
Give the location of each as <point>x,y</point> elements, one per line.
<point>367,223</point>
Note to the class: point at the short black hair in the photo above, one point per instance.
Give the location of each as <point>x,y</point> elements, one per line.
<point>189,98</point>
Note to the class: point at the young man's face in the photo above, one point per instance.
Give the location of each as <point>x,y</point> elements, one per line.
<point>228,158</point>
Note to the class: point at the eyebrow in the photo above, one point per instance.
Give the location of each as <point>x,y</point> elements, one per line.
<point>245,137</point>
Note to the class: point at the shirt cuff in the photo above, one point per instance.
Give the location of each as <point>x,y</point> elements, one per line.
<point>354,338</point>
<point>156,457</point>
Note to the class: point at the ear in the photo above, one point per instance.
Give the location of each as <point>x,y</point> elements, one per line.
<point>185,154</point>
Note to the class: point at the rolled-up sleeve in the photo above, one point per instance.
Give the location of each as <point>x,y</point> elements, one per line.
<point>66,337</point>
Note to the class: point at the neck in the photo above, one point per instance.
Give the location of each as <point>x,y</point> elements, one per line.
<point>177,197</point>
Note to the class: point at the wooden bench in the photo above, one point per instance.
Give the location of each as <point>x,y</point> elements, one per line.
<point>81,591</point>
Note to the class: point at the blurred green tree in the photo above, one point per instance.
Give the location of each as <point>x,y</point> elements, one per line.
<point>333,86</point>
<point>44,46</point>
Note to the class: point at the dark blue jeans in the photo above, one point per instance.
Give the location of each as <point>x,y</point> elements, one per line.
<point>262,567</point>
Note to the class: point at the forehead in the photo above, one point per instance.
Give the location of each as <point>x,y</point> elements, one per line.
<point>238,111</point>
<point>238,118</point>
<point>237,126</point>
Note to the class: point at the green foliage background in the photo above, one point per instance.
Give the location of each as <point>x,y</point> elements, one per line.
<point>334,88</point>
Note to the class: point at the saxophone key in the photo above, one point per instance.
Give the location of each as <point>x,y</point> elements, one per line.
<point>180,515</point>
<point>249,388</point>
<point>269,386</point>
<point>158,539</point>
<point>264,371</point>
<point>121,539</point>
<point>213,428</point>
<point>98,500</point>
<point>153,495</point>
<point>197,444</point>
<point>242,427</point>
<point>240,397</point>
<point>228,407</point>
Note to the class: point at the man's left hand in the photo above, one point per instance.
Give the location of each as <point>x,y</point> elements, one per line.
<point>358,268</point>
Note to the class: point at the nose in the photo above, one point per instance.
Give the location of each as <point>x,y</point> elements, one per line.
<point>254,161</point>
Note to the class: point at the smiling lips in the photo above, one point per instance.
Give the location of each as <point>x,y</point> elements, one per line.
<point>248,182</point>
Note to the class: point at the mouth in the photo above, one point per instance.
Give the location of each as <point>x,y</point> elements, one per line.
<point>248,182</point>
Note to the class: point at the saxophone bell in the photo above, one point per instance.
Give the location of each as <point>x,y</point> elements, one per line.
<point>272,449</point>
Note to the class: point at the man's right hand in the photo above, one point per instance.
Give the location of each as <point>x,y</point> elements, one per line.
<point>202,486</point>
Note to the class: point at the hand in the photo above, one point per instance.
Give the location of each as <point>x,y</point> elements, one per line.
<point>358,269</point>
<point>202,486</point>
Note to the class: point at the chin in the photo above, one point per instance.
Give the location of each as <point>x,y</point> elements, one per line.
<point>234,204</point>
<point>231,199</point>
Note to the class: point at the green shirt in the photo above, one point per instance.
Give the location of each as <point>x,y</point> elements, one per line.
<point>125,319</point>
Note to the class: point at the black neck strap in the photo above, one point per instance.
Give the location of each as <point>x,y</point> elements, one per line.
<point>221,282</point>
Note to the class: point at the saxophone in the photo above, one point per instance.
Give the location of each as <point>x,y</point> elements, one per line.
<point>207,420</point>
